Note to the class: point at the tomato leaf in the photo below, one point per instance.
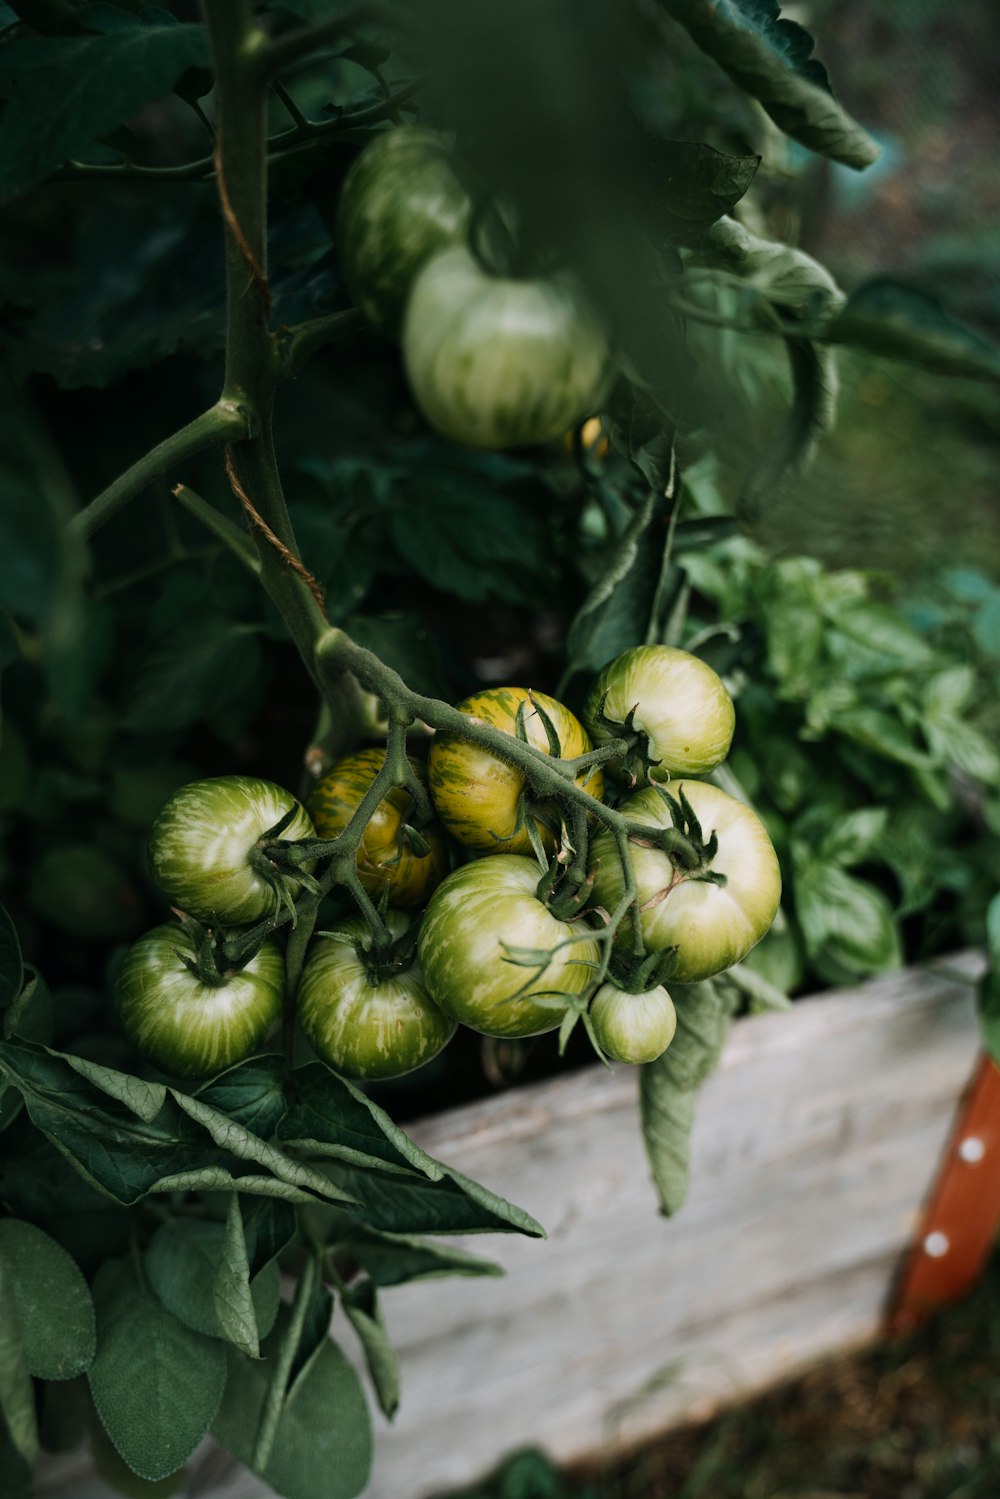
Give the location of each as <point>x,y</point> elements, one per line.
<point>249,1093</point>
<point>363,1311</point>
<point>668,1085</point>
<point>156,1383</point>
<point>329,1116</point>
<point>771,59</point>
<point>109,1127</point>
<point>843,918</point>
<point>66,92</point>
<point>392,1259</point>
<point>212,668</point>
<point>697,184</point>
<point>51,1301</point>
<point>323,1442</point>
<point>904,322</point>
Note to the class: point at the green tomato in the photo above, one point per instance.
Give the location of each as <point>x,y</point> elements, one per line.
<point>476,793</point>
<point>384,856</point>
<point>633,1027</point>
<point>368,1030</point>
<point>709,926</point>
<point>189,1028</point>
<point>675,699</point>
<point>201,842</point>
<point>495,362</point>
<point>402,201</point>
<point>478,919</point>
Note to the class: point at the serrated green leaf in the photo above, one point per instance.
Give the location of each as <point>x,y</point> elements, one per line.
<point>66,92</point>
<point>770,58</point>
<point>156,1384</point>
<point>361,1305</point>
<point>904,322</point>
<point>51,1301</point>
<point>323,1443</point>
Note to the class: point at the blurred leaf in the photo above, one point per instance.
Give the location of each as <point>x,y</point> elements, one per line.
<point>853,835</point>
<point>903,322</point>
<point>82,890</point>
<point>211,668</point>
<point>770,58</point>
<point>11,962</point>
<point>66,92</point>
<point>697,184</point>
<point>403,642</point>
<point>989,985</point>
<point>156,1383</point>
<point>844,918</point>
<point>17,1394</point>
<point>51,1301</point>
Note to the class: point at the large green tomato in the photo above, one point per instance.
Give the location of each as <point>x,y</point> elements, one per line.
<point>495,362</point>
<point>476,794</point>
<point>477,919</point>
<point>364,1029</point>
<point>675,699</point>
<point>709,926</point>
<point>201,842</point>
<point>633,1027</point>
<point>189,1028</point>
<point>402,201</point>
<point>384,856</point>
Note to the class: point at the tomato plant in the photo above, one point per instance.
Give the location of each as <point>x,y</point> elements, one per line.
<point>709,916</point>
<point>673,699</point>
<point>495,957</point>
<point>633,1027</point>
<point>390,856</point>
<point>203,847</point>
<point>364,1023</point>
<point>497,361</point>
<point>482,800</point>
<point>247,540</point>
<point>402,201</point>
<point>186,1026</point>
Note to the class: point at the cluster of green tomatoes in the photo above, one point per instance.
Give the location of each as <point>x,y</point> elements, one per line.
<point>493,360</point>
<point>498,904</point>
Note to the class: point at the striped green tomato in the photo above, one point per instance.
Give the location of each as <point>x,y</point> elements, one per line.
<point>633,1027</point>
<point>475,793</point>
<point>384,856</point>
<point>496,362</point>
<point>676,700</point>
<point>482,918</point>
<point>402,201</point>
<point>189,1028</point>
<point>368,1030</point>
<point>201,842</point>
<point>709,926</point>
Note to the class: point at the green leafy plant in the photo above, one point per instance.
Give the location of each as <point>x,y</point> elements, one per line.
<point>172,662</point>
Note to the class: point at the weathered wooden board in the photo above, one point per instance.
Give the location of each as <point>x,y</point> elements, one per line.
<point>815,1144</point>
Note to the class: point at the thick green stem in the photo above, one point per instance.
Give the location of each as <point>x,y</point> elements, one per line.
<point>224,422</point>
<point>239,46</point>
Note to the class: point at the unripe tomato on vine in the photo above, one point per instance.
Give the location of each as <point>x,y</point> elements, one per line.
<point>675,700</point>
<point>385,856</point>
<point>481,919</point>
<point>501,361</point>
<point>711,915</point>
<point>477,795</point>
<point>188,1027</point>
<point>362,1023</point>
<point>633,1028</point>
<point>402,202</point>
<point>203,849</point>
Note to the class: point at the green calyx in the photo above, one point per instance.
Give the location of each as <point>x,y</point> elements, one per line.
<point>635,765</point>
<point>685,844</point>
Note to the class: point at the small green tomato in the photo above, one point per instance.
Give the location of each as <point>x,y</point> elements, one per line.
<point>633,1027</point>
